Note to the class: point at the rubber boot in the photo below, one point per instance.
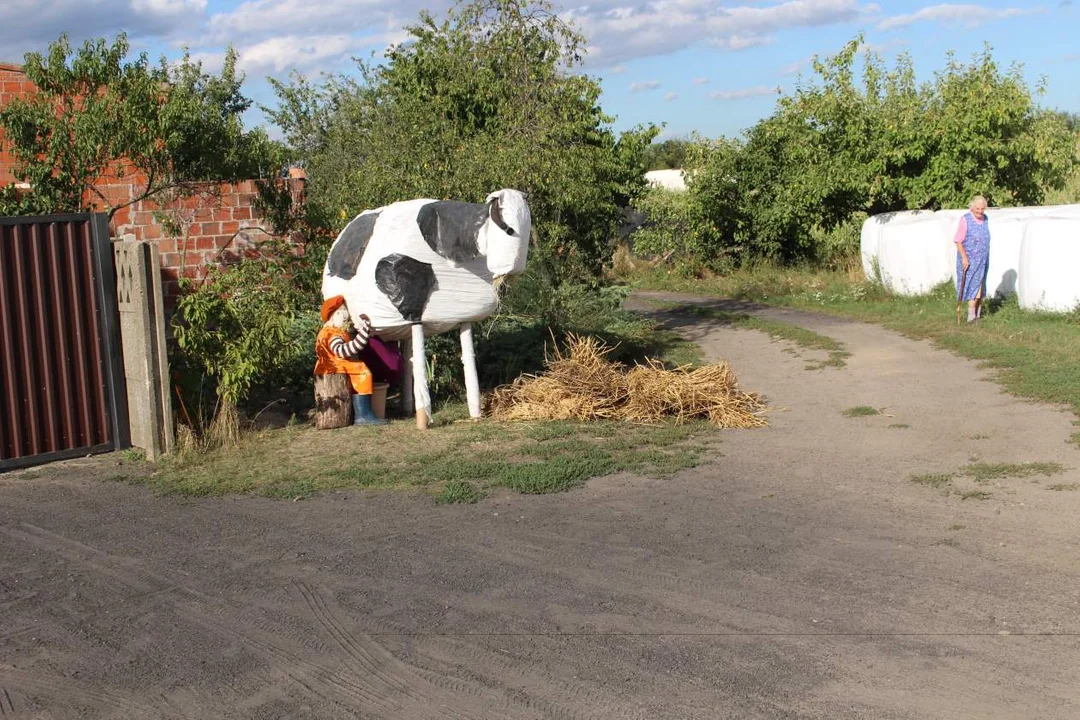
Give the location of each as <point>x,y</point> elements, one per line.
<point>362,414</point>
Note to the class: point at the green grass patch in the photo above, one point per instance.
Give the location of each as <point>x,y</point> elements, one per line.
<point>984,472</point>
<point>460,460</point>
<point>954,528</point>
<point>975,495</point>
<point>934,480</point>
<point>860,411</point>
<point>1033,355</point>
<point>776,329</point>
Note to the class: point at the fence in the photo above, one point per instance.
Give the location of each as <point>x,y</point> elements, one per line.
<point>62,390</point>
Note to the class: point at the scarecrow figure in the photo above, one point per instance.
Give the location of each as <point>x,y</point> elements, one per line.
<point>336,352</point>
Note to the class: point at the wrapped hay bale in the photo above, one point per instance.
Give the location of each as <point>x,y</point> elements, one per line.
<point>584,385</point>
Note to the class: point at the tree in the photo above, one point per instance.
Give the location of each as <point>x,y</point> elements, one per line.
<point>839,148</point>
<point>489,97</point>
<point>96,114</point>
<point>667,155</point>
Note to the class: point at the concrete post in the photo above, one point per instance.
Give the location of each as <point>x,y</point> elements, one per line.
<point>142,335</point>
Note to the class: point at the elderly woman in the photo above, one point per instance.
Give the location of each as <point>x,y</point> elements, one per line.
<point>972,257</point>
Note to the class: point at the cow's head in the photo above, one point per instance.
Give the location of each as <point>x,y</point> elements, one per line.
<point>504,240</point>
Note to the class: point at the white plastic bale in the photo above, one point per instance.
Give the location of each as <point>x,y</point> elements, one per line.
<point>1049,264</point>
<point>1006,236</point>
<point>915,255</point>
<point>870,235</point>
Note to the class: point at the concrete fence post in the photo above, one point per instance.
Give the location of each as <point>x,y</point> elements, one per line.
<point>142,334</point>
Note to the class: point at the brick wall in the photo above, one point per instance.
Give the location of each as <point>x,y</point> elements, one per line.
<point>13,84</point>
<point>215,224</point>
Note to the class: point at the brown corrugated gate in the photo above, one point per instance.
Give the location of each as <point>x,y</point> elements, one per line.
<point>62,388</point>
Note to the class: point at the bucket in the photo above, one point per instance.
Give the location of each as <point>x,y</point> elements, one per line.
<point>378,399</point>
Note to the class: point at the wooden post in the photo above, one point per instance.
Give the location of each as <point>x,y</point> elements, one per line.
<point>468,361</point>
<point>333,401</point>
<point>421,397</point>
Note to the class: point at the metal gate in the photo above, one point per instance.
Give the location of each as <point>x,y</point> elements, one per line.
<point>62,390</point>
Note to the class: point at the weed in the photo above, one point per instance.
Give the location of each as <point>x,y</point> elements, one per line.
<point>860,411</point>
<point>980,436</point>
<point>984,472</point>
<point>457,491</point>
<point>957,527</point>
<point>951,542</point>
<point>1067,487</point>
<point>900,426</point>
<point>132,455</point>
<point>935,480</point>
<point>975,495</point>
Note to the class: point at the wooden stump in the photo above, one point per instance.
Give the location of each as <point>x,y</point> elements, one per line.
<point>333,401</point>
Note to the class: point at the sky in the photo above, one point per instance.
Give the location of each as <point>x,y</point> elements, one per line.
<point>708,66</point>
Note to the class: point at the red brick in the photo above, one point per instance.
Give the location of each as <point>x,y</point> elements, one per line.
<point>166,245</point>
<point>150,232</point>
<point>242,213</point>
<point>206,243</point>
<point>170,260</point>
<point>209,228</point>
<point>230,228</point>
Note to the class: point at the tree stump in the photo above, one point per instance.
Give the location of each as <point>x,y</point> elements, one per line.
<point>333,401</point>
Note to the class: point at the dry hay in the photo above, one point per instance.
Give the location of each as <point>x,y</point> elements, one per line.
<point>582,384</point>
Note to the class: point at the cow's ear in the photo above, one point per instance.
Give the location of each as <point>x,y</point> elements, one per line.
<point>495,212</point>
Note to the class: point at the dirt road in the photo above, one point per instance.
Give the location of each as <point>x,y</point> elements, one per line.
<point>799,574</point>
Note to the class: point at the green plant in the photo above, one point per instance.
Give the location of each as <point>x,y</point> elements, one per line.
<point>247,324</point>
<point>484,98</point>
<point>457,491</point>
<point>934,480</point>
<point>860,411</point>
<point>161,128</point>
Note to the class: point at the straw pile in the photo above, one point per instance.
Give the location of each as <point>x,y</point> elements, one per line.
<point>582,384</point>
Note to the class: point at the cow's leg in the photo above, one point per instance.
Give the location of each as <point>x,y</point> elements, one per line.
<point>468,361</point>
<point>406,377</point>
<point>421,397</point>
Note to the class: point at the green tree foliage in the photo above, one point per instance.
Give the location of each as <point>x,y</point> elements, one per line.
<point>96,113</point>
<point>841,147</point>
<point>666,155</point>
<point>487,98</point>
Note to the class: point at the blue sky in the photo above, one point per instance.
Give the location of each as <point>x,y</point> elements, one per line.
<point>710,66</point>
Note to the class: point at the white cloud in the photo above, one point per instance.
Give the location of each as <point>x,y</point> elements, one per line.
<point>658,27</point>
<point>725,95</point>
<point>967,15</point>
<point>671,96</point>
<point>796,67</point>
<point>701,81</point>
<point>280,54</point>
<point>30,25</point>
<point>617,70</point>
<point>644,86</point>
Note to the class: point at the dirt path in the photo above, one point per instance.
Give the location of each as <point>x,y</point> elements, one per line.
<point>799,574</point>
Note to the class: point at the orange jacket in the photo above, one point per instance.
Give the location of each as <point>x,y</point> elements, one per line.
<point>327,363</point>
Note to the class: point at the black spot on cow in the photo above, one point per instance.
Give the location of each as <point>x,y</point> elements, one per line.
<point>345,257</point>
<point>450,228</point>
<point>407,282</point>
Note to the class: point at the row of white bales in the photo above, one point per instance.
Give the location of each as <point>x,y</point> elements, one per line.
<point>1034,253</point>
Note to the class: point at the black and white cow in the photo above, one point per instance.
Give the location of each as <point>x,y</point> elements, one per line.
<point>429,266</point>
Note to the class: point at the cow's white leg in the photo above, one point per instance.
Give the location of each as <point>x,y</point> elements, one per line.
<point>406,377</point>
<point>421,397</point>
<point>468,361</point>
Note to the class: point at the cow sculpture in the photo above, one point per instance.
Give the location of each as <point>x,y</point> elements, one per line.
<point>428,266</point>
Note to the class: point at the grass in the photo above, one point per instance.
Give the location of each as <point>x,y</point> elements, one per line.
<point>777,330</point>
<point>860,411</point>
<point>900,426</point>
<point>934,480</point>
<point>1033,355</point>
<point>985,472</point>
<point>981,472</point>
<point>1064,487</point>
<point>460,461</point>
